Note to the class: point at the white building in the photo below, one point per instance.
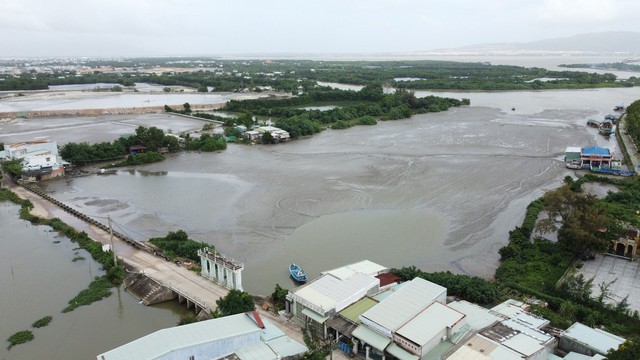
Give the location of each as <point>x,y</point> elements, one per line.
<point>278,134</point>
<point>19,150</point>
<point>40,160</point>
<point>403,305</point>
<point>517,335</point>
<point>378,332</point>
<point>334,290</point>
<point>435,324</point>
<point>588,341</point>
<point>245,335</point>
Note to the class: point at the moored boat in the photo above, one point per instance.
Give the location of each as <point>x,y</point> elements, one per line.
<point>107,171</point>
<point>297,273</point>
<point>593,123</point>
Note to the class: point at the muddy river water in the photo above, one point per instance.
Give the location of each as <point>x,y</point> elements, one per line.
<point>440,191</point>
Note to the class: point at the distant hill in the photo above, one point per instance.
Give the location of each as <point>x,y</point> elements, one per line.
<point>604,42</point>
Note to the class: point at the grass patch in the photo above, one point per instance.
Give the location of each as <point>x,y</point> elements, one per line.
<point>42,322</point>
<point>20,337</point>
<point>99,289</point>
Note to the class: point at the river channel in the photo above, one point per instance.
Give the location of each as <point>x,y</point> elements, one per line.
<point>38,277</point>
<point>440,191</point>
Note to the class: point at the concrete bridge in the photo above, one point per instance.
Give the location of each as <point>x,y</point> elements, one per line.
<point>150,277</point>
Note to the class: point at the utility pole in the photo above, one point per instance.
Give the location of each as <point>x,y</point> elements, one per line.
<point>113,249</point>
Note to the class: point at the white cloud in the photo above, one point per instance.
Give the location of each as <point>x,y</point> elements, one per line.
<point>18,15</point>
<point>578,11</point>
<point>140,27</point>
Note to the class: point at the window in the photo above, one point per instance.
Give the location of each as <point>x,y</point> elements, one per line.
<point>192,357</point>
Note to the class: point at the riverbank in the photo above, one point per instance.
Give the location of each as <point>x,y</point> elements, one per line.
<point>169,274</point>
<point>96,112</point>
<point>39,276</point>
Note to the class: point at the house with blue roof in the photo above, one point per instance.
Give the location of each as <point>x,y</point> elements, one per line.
<point>595,157</point>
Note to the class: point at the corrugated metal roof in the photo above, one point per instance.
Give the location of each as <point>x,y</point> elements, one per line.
<point>385,294</point>
<point>573,149</point>
<point>599,340</point>
<point>467,353</point>
<point>401,353</point>
<point>509,308</point>
<point>314,315</point>
<point>363,267</point>
<point>596,150</point>
<point>257,351</point>
<point>429,323</point>
<point>477,316</point>
<point>526,328</point>
<point>163,341</point>
<point>371,337</point>
<point>576,356</point>
<point>405,303</point>
<point>504,353</point>
<point>328,292</point>
<point>353,311</point>
<point>286,346</point>
<point>387,279</point>
<point>342,325</point>
<point>523,344</point>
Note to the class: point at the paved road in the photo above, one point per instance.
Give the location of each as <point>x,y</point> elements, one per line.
<point>632,149</point>
<point>158,269</point>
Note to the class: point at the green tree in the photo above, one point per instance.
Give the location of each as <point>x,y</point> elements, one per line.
<point>235,302</point>
<point>246,119</point>
<point>267,138</point>
<point>584,227</point>
<point>13,167</point>
<point>318,347</point>
<point>279,296</point>
<point>629,350</point>
<point>187,107</point>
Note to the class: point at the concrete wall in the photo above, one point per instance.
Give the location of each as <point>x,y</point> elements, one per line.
<point>569,345</point>
<point>147,290</point>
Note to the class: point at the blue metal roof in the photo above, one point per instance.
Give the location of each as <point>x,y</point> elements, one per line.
<point>595,150</point>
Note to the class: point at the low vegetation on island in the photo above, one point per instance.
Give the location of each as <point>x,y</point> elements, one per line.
<point>362,107</point>
<point>20,337</point>
<point>42,322</point>
<point>300,75</point>
<point>178,245</point>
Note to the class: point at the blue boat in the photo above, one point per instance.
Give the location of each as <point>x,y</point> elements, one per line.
<point>297,273</point>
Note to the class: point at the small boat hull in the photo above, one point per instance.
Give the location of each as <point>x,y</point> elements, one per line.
<point>297,273</point>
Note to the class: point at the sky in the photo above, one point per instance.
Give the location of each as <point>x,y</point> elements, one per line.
<point>40,28</point>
